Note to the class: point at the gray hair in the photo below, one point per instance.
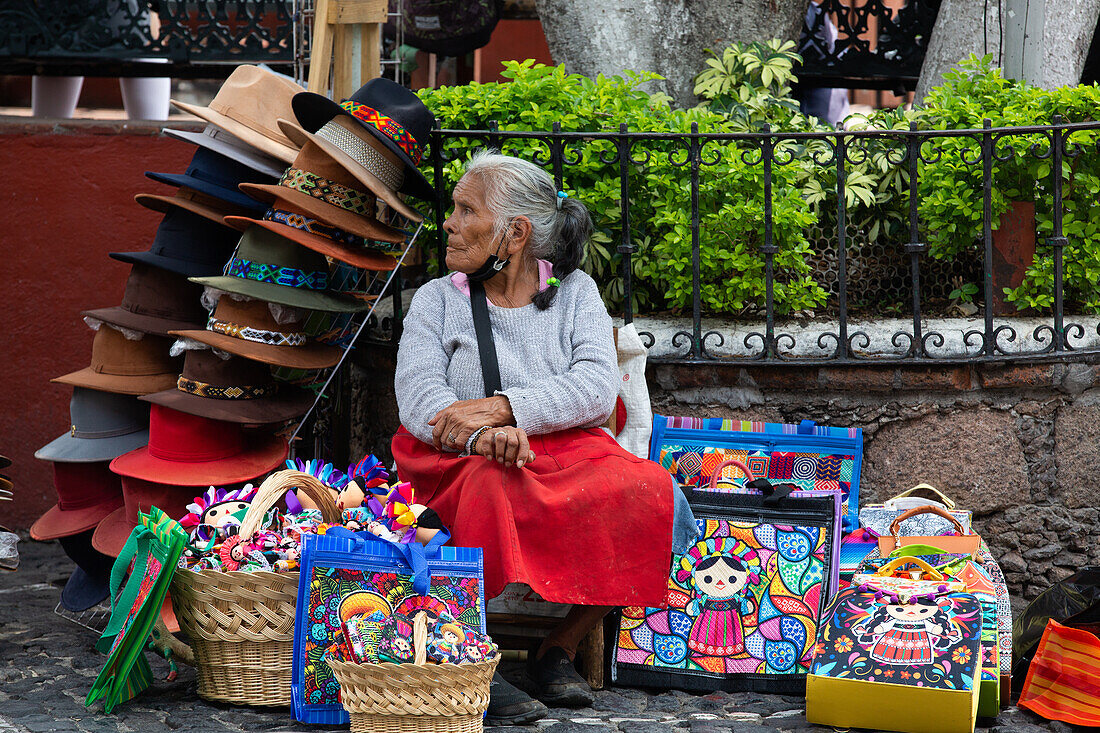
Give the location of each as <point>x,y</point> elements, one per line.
<point>515,187</point>
<point>559,230</point>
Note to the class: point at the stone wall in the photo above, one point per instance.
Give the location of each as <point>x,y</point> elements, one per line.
<point>1018,445</point>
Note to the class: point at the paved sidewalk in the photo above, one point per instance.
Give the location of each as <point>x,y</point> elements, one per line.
<point>47,665</point>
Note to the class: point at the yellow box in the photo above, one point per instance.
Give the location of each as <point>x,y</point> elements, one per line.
<point>852,703</point>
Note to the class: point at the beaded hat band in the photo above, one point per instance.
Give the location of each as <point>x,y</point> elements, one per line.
<point>290,277</point>
<point>331,192</point>
<point>217,392</point>
<point>388,126</point>
<point>256,335</point>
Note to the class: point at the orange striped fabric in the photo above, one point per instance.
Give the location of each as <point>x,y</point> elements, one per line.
<point>1063,682</point>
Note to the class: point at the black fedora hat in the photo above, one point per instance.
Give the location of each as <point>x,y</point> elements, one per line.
<point>187,244</point>
<point>387,110</point>
<point>216,175</point>
<point>90,581</point>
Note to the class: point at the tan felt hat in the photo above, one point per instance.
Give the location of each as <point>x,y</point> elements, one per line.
<point>247,106</point>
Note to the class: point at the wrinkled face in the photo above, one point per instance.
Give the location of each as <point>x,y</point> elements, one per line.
<point>914,612</point>
<point>469,228</point>
<point>217,515</point>
<point>721,580</point>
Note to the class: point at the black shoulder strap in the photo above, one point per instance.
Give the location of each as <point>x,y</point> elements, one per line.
<point>490,369</point>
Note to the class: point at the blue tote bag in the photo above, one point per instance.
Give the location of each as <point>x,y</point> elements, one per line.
<point>810,456</point>
<point>344,573</point>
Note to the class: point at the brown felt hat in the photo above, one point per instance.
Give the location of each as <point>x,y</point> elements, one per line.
<point>156,301</point>
<point>126,366</point>
<point>362,154</point>
<point>188,199</point>
<point>247,328</point>
<point>247,106</point>
<point>359,255</point>
<point>234,390</point>
<point>315,161</point>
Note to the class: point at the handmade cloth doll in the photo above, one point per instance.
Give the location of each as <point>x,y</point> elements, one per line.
<point>722,571</point>
<point>217,513</point>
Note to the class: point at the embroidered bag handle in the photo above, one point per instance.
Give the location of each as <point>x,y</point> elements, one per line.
<point>947,502</point>
<point>904,562</point>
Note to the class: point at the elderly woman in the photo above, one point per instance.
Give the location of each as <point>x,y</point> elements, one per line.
<point>521,468</point>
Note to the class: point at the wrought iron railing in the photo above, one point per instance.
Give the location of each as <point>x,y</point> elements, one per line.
<point>628,155</point>
<point>878,43</point>
<point>179,38</point>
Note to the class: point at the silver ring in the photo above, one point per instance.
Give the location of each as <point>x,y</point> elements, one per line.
<point>451,437</point>
<point>500,432</point>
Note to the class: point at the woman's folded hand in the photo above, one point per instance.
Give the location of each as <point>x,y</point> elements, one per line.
<point>507,445</point>
<point>452,425</point>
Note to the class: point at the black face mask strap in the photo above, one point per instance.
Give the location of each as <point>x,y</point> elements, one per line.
<point>491,267</point>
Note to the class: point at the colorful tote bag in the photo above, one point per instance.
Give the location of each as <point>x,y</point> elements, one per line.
<point>345,573</point>
<point>808,455</point>
<point>743,603</point>
<point>146,564</point>
<point>900,655</point>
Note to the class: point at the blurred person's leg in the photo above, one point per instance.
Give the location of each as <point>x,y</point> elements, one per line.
<point>55,96</point>
<point>146,98</point>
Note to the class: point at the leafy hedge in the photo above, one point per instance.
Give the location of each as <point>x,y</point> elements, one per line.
<point>743,88</point>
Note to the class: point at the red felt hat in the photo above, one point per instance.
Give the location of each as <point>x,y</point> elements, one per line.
<point>111,534</point>
<point>190,450</point>
<point>86,493</point>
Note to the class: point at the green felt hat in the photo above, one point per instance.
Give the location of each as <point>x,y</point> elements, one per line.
<point>267,266</point>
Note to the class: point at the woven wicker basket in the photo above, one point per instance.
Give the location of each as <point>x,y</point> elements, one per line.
<point>417,697</point>
<point>241,624</point>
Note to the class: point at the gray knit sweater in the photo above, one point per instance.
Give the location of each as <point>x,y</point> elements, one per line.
<point>558,367</point>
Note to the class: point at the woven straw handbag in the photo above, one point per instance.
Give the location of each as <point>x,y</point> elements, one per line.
<point>417,697</point>
<point>241,624</point>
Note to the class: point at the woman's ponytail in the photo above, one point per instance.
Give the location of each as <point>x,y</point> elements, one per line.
<point>574,229</point>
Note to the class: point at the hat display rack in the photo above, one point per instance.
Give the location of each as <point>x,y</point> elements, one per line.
<point>282,234</point>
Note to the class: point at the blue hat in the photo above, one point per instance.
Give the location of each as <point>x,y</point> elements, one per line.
<point>217,176</point>
<point>187,244</point>
<point>89,583</point>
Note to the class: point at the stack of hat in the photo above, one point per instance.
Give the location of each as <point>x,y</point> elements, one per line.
<point>253,291</point>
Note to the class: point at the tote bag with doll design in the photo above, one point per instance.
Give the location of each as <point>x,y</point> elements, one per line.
<point>743,602</point>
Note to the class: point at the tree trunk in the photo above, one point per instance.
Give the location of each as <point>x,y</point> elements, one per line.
<point>668,37</point>
<point>1043,41</point>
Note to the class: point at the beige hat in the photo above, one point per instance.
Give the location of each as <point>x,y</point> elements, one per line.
<point>248,105</point>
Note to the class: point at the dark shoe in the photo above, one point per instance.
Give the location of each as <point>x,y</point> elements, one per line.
<point>509,705</point>
<point>557,681</point>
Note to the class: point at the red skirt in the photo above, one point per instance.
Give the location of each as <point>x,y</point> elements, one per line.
<point>586,522</point>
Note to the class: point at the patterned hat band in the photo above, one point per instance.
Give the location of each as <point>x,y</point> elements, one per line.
<point>294,220</point>
<point>216,392</point>
<point>290,277</point>
<point>331,192</point>
<point>391,128</point>
<point>391,176</point>
<point>256,335</point>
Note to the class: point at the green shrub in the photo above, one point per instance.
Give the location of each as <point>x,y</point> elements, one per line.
<point>951,191</point>
<point>730,192</point>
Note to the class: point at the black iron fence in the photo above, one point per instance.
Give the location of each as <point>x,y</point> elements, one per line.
<point>866,45</point>
<point>179,38</point>
<point>986,155</point>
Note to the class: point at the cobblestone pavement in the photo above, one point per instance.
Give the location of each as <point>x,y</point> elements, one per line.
<point>47,665</point>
